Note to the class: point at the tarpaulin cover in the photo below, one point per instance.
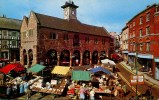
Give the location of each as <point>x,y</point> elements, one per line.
<point>81,75</point>
<point>18,67</point>
<point>106,61</point>
<point>13,66</point>
<point>36,68</point>
<point>63,70</point>
<point>97,69</point>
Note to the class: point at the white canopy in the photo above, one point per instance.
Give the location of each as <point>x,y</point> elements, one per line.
<point>108,61</point>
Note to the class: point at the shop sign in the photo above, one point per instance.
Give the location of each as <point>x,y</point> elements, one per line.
<point>136,79</point>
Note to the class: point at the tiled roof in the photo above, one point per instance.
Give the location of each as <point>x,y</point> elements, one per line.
<point>8,23</point>
<point>70,25</point>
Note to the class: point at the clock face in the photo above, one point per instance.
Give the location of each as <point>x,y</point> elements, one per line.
<point>73,12</point>
<point>66,13</point>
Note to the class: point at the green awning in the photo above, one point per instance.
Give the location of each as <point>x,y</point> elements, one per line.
<point>81,75</point>
<point>36,68</point>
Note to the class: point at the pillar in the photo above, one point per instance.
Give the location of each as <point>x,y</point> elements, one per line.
<point>81,59</point>
<point>58,59</point>
<point>70,59</point>
<point>90,58</point>
<point>98,58</point>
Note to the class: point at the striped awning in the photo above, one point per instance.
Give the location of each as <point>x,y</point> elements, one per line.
<point>62,70</point>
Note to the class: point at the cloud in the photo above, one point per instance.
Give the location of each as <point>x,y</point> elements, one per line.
<point>113,14</point>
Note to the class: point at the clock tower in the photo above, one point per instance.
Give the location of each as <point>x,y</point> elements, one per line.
<point>70,10</point>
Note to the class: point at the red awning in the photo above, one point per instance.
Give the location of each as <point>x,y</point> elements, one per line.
<point>16,67</point>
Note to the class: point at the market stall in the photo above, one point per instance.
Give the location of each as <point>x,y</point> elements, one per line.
<point>17,67</point>
<point>54,86</point>
<point>36,69</point>
<point>81,75</point>
<point>100,69</point>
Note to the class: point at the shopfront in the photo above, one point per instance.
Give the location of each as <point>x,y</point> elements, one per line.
<point>157,68</point>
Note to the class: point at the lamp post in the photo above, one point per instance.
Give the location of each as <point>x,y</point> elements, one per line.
<point>136,70</point>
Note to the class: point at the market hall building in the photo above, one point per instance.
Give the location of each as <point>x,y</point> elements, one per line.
<point>55,41</point>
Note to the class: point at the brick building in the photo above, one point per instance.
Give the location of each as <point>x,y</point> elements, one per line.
<point>9,39</point>
<point>56,41</point>
<point>144,39</point>
<point>124,43</point>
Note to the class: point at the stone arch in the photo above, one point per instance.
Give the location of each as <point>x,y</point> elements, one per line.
<point>30,55</point>
<point>95,57</point>
<point>25,61</point>
<point>51,58</point>
<point>102,55</point>
<point>76,58</point>
<point>86,57</point>
<point>65,58</point>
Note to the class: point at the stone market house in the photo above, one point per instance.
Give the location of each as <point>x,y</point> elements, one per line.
<point>56,41</point>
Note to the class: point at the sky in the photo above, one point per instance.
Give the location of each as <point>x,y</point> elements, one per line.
<point>110,14</point>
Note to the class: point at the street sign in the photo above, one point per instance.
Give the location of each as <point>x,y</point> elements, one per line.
<point>136,79</point>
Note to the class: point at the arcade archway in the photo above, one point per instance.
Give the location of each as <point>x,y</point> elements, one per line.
<point>76,58</point>
<point>65,58</point>
<point>86,57</point>
<point>95,57</point>
<point>52,57</point>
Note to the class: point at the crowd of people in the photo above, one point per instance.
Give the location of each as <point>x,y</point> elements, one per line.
<point>106,84</point>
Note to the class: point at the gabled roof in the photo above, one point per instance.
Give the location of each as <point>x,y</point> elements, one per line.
<point>69,25</point>
<point>8,23</point>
